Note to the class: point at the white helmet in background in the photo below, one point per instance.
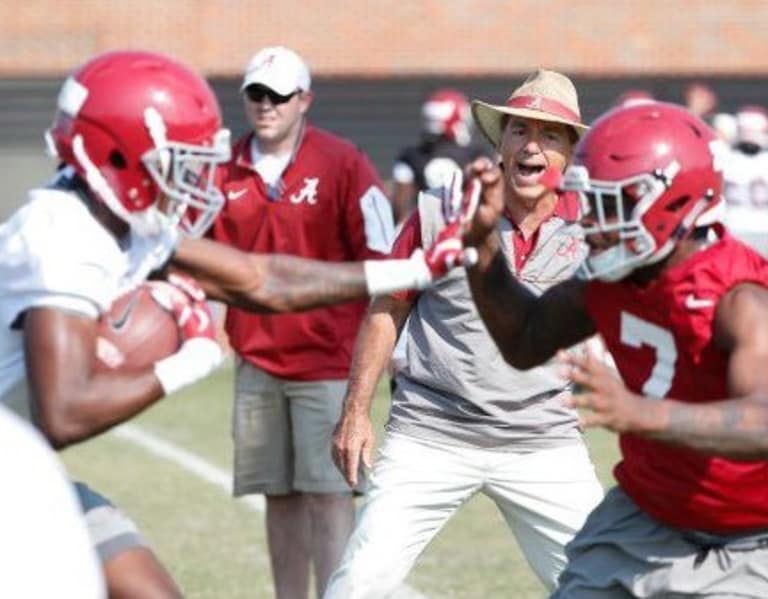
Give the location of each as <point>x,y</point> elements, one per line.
<point>446,113</point>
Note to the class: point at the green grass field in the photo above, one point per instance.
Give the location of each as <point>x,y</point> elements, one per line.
<point>215,546</point>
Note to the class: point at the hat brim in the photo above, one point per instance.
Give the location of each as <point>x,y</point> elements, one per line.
<point>276,87</point>
<point>489,118</point>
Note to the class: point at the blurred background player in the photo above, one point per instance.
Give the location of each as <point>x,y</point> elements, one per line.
<point>462,422</point>
<point>683,309</point>
<point>632,97</point>
<point>701,100</point>
<point>130,128</point>
<point>445,145</point>
<point>745,170</point>
<point>724,125</point>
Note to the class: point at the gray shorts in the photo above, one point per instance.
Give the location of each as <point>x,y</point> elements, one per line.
<point>111,531</point>
<point>282,431</point>
<point>622,553</point>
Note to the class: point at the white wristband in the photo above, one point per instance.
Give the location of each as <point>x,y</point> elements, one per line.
<point>196,359</point>
<point>387,276</point>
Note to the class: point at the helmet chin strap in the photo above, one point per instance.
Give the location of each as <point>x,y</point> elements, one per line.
<point>610,265</point>
<point>619,261</point>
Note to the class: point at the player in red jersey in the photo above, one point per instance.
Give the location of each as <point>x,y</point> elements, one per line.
<point>683,308</point>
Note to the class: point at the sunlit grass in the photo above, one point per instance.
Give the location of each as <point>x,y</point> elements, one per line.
<point>215,546</point>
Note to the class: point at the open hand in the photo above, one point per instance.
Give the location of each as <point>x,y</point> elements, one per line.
<point>353,442</point>
<point>600,393</point>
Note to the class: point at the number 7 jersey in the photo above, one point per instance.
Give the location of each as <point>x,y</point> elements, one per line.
<point>661,338</point>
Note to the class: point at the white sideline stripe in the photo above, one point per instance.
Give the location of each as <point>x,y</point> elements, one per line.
<point>211,474</point>
<point>185,460</point>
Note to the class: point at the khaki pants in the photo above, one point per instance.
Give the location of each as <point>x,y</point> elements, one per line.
<point>416,486</point>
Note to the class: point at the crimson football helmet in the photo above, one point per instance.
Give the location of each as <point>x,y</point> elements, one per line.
<point>145,134</point>
<point>446,112</point>
<point>647,174</point>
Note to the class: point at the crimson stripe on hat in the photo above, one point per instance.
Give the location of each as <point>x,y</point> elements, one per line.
<point>544,105</point>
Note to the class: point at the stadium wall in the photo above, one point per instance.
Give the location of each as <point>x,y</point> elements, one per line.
<point>374,61</point>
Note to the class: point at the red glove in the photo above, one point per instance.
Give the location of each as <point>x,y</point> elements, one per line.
<point>459,203</point>
<point>458,207</point>
<point>199,353</point>
<point>446,251</point>
<point>185,299</point>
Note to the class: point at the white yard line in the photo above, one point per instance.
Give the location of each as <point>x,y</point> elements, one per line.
<point>185,460</point>
<point>211,474</point>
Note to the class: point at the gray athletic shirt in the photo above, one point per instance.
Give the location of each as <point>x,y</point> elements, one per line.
<point>456,388</point>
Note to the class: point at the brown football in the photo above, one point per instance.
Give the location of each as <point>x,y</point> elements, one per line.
<point>136,332</point>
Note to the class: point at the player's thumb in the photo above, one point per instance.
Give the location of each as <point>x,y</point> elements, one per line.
<point>468,257</point>
<point>351,473</point>
<point>366,455</point>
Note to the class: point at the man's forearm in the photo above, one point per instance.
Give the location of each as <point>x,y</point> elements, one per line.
<point>373,350</point>
<point>282,283</point>
<point>269,282</point>
<point>734,428</point>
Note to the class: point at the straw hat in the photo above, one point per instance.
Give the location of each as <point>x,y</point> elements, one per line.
<point>544,96</point>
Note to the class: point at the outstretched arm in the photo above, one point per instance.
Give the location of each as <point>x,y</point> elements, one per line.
<point>281,283</point>
<point>527,329</point>
<point>268,283</point>
<point>736,427</point>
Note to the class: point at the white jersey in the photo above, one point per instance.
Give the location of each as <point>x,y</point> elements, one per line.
<point>54,253</point>
<point>44,546</point>
<point>746,195</point>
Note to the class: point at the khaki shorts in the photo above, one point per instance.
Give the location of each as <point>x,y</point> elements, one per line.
<point>282,432</point>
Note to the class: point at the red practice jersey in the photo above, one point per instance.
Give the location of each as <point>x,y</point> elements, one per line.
<point>329,205</point>
<point>661,338</point>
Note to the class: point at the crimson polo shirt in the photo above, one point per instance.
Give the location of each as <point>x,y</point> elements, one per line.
<point>328,206</point>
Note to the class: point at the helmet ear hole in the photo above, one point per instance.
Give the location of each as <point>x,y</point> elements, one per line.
<point>117,159</point>
<point>677,204</point>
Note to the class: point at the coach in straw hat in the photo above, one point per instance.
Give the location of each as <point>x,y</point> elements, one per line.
<point>534,133</point>
<point>462,421</point>
<point>545,96</point>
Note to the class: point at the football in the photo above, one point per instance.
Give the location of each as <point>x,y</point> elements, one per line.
<point>136,332</point>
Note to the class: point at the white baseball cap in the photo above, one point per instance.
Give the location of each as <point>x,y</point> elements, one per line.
<point>278,68</point>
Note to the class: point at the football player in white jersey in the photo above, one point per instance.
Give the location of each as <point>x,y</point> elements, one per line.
<point>35,535</point>
<point>139,138</point>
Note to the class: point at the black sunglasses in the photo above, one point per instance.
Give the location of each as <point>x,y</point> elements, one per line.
<point>257,93</point>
